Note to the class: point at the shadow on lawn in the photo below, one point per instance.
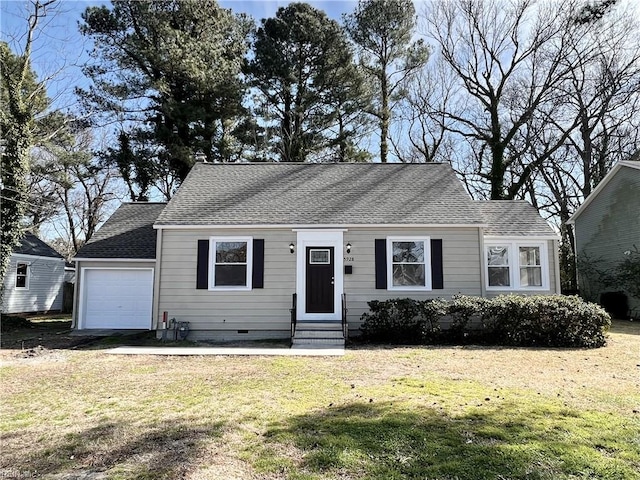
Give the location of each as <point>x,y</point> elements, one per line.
<point>382,441</point>
<point>162,452</point>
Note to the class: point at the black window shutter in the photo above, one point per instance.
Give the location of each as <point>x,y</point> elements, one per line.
<point>202,269</point>
<point>381,264</point>
<point>257,279</point>
<point>437,274</point>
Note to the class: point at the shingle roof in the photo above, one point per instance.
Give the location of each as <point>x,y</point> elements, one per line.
<point>32,245</point>
<point>127,234</point>
<point>320,194</point>
<point>513,218</point>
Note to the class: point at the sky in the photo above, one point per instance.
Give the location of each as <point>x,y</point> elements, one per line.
<point>60,50</point>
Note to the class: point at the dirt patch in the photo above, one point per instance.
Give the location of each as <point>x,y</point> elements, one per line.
<point>49,335</point>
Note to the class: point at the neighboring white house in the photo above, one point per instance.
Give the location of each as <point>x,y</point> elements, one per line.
<point>607,225</point>
<point>34,278</point>
<point>242,250</point>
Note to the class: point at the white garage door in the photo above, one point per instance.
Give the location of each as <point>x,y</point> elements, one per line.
<point>118,298</point>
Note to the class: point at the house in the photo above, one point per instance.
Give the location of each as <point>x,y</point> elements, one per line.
<point>34,278</point>
<point>242,250</point>
<point>606,226</point>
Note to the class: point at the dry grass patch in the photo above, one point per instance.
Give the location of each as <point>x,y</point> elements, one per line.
<point>419,412</point>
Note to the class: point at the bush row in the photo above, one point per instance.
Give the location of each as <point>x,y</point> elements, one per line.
<point>541,320</point>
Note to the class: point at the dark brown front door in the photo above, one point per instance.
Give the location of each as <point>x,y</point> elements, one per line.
<point>320,281</point>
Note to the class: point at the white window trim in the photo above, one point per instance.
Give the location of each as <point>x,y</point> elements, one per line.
<point>427,264</point>
<point>514,264</point>
<point>212,264</point>
<point>27,276</point>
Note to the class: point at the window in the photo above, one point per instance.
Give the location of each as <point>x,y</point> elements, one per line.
<point>498,264</point>
<point>516,265</point>
<point>408,263</point>
<point>530,267</point>
<point>22,275</point>
<point>319,257</point>
<point>231,263</point>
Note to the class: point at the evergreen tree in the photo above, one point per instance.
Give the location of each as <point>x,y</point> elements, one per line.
<point>169,70</point>
<point>382,31</point>
<point>298,57</point>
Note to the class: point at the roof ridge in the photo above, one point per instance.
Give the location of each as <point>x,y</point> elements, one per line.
<point>316,163</point>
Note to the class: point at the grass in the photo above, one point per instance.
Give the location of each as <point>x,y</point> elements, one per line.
<point>377,413</point>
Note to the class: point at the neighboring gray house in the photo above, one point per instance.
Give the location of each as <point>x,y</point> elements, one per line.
<point>34,278</point>
<point>240,245</point>
<point>607,225</point>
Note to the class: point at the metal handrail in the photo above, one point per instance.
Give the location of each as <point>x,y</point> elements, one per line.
<point>345,326</point>
<point>294,314</point>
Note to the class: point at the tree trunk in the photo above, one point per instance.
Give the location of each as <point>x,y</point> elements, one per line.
<point>496,174</point>
<point>384,116</point>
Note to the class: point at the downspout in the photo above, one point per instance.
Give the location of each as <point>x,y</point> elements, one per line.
<point>76,288</point>
<point>556,265</point>
<point>155,325</point>
<point>483,287</point>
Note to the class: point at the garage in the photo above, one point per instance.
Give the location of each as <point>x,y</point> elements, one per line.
<point>117,298</point>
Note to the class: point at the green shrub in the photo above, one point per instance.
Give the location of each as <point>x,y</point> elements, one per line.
<point>462,309</point>
<point>545,320</point>
<point>542,320</point>
<point>402,320</point>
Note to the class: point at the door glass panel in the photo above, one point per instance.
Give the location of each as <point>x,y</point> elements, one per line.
<point>321,257</point>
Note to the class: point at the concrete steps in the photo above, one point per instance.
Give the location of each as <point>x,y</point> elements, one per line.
<point>318,335</point>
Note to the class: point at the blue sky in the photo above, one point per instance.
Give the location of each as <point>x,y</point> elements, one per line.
<point>60,50</point>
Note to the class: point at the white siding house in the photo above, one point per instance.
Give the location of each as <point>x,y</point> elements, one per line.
<point>34,279</point>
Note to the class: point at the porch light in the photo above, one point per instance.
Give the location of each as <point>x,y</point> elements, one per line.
<point>349,247</point>
<point>292,247</point>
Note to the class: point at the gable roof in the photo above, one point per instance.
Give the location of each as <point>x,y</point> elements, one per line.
<point>320,194</point>
<point>32,245</point>
<point>513,218</point>
<point>128,233</point>
<point>634,164</point>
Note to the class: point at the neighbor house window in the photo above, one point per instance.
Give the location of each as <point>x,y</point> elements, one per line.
<point>516,265</point>
<point>231,263</point>
<point>408,263</point>
<point>22,275</point>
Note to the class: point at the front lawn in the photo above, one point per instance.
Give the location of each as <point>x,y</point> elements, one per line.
<point>376,413</point>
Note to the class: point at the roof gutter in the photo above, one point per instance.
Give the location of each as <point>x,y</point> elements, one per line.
<point>322,226</point>
<point>103,259</point>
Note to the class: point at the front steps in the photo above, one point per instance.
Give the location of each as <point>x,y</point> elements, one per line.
<point>318,335</point>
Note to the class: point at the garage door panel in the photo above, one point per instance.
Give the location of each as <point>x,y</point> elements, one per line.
<point>118,298</point>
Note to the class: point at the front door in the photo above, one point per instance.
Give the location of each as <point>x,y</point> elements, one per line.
<point>320,284</point>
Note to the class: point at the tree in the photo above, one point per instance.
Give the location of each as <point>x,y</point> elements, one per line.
<point>82,185</point>
<point>603,92</point>
<point>22,97</point>
<point>300,67</point>
<point>382,30</point>
<point>509,60</point>
<point>422,134</point>
<point>169,71</point>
